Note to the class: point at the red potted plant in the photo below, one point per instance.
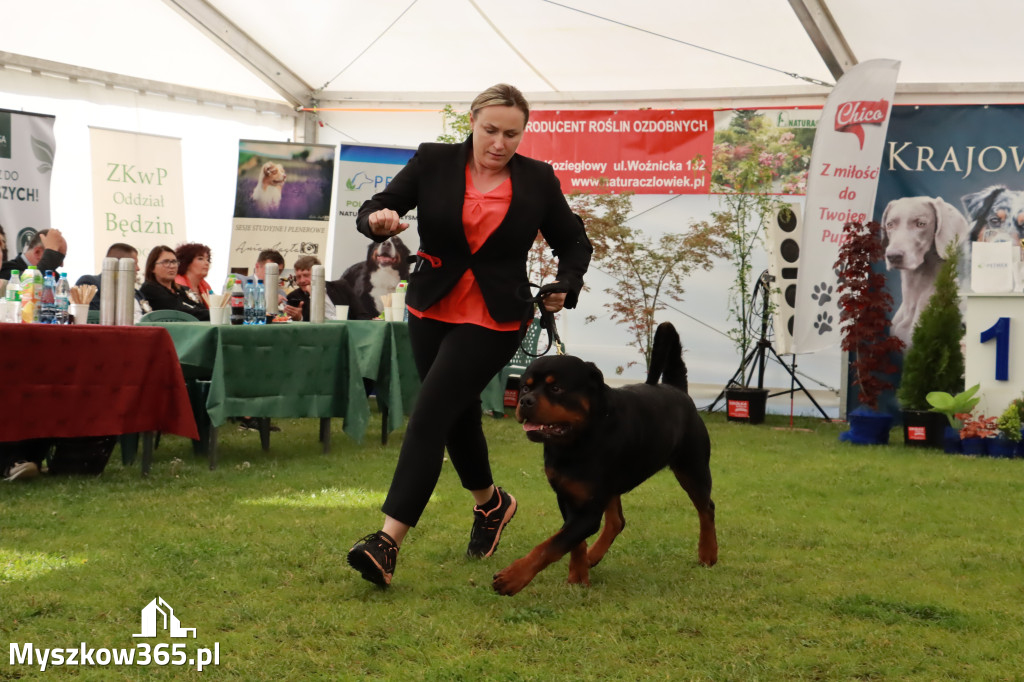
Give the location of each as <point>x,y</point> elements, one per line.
<point>864,306</point>
<point>976,432</point>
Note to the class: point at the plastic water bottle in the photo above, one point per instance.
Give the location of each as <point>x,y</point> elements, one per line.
<point>260,309</point>
<point>250,302</point>
<point>237,303</point>
<point>48,299</point>
<point>14,297</point>
<point>62,296</point>
<point>31,284</point>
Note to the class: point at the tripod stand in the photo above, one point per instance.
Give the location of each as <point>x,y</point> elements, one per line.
<point>757,357</point>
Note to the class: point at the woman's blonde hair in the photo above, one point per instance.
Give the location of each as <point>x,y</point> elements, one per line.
<point>502,95</point>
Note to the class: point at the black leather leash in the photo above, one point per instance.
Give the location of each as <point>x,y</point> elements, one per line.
<point>547,318</point>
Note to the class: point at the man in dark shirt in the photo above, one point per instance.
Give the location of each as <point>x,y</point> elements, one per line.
<point>339,292</point>
<point>45,251</point>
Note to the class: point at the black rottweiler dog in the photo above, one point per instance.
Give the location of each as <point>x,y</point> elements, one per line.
<point>600,443</point>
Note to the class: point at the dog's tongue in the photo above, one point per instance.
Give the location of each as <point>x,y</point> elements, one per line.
<point>531,426</point>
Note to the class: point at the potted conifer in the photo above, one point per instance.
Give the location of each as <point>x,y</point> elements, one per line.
<point>1009,433</point>
<point>934,361</point>
<point>864,306</point>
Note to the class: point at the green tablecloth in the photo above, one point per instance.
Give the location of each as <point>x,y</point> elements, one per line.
<point>300,369</point>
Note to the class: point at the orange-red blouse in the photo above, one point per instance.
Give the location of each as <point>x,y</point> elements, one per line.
<point>481,216</point>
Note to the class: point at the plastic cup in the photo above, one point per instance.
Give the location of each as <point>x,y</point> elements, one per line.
<point>341,312</point>
<point>79,311</point>
<point>220,315</point>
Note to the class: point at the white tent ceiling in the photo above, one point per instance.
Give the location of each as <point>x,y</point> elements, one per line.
<point>337,52</point>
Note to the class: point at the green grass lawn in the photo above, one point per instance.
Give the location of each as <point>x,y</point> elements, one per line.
<point>837,562</point>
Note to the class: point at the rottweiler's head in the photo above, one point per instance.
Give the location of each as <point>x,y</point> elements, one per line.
<point>557,396</point>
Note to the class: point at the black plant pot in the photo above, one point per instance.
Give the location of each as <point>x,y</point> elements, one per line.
<point>745,404</point>
<point>924,428</point>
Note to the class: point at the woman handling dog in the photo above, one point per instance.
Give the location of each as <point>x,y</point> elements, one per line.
<point>479,207</point>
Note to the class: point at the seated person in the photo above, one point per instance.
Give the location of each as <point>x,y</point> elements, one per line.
<point>193,267</point>
<point>118,250</point>
<point>162,292</point>
<point>45,251</point>
<point>297,304</point>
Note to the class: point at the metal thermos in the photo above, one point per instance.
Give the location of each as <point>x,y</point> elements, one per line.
<point>108,291</point>
<point>271,282</point>
<point>125,300</point>
<point>317,292</point>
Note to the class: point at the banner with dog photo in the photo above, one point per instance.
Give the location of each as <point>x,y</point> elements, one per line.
<point>282,201</point>
<point>372,269</point>
<point>948,172</point>
<point>26,164</point>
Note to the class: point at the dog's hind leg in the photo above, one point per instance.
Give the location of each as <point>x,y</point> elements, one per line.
<point>614,522</point>
<point>699,489</point>
<point>579,569</point>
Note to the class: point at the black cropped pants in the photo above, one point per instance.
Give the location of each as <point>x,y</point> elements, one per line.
<point>455,363</point>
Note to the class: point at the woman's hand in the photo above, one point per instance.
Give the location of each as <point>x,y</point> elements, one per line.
<point>553,301</point>
<point>386,223</point>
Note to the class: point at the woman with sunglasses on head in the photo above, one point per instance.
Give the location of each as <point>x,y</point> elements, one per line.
<point>480,206</point>
<point>161,289</point>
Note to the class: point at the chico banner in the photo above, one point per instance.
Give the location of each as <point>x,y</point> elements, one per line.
<point>644,152</point>
<point>841,185</point>
<point>26,162</point>
<point>137,193</point>
<point>282,201</point>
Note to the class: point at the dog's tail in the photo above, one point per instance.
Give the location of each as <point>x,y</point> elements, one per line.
<point>667,358</point>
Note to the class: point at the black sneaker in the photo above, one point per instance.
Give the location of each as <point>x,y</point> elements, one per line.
<point>487,526</point>
<point>374,556</point>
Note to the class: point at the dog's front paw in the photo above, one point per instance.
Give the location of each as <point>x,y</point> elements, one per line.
<point>511,579</point>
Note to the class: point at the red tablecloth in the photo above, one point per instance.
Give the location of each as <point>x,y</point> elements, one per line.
<point>90,380</point>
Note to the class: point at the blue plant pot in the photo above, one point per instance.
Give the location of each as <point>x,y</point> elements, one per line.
<point>975,446</point>
<point>1002,447</point>
<point>867,427</point>
<point>951,441</point>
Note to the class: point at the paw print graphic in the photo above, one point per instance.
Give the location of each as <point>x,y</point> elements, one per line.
<point>824,323</point>
<point>822,293</point>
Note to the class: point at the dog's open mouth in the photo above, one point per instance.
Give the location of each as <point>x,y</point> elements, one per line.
<point>535,429</point>
<point>387,261</point>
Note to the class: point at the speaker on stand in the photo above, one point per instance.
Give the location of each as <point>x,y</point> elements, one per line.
<point>784,233</point>
<point>773,306</point>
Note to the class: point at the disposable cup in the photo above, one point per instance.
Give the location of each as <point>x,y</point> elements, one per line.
<point>398,314</point>
<point>79,311</point>
<point>389,314</point>
<point>341,312</point>
<point>220,315</point>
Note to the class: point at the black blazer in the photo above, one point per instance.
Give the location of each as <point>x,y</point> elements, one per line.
<point>434,180</point>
